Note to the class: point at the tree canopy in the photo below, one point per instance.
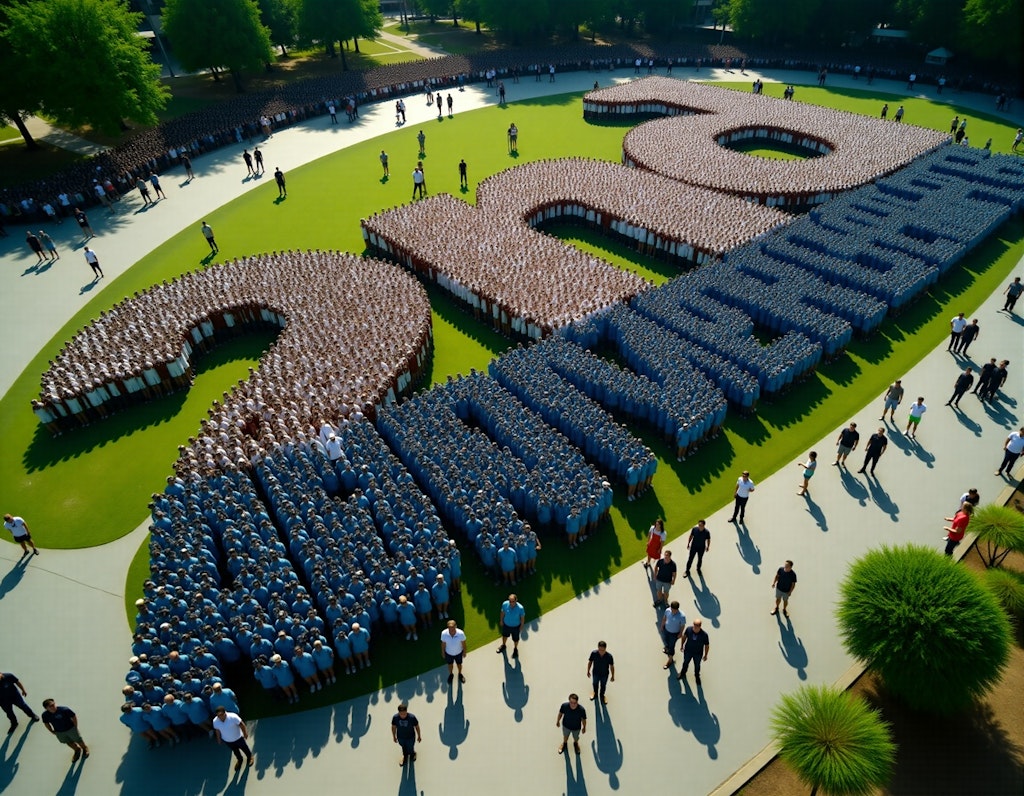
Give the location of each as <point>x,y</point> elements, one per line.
<point>227,34</point>
<point>329,21</point>
<point>85,61</point>
<point>279,17</point>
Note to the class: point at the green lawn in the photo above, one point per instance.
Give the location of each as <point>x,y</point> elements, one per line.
<point>772,151</point>
<point>8,133</point>
<point>118,463</point>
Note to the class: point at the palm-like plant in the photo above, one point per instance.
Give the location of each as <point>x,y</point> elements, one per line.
<point>833,741</point>
<point>1000,530</point>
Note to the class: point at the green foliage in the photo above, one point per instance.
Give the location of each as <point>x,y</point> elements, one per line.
<point>1008,587</point>
<point>833,741</point>
<point>932,23</point>
<point>227,33</point>
<point>772,20</point>
<point>993,30</point>
<point>18,98</point>
<point>938,638</point>
<point>279,18</point>
<point>86,63</point>
<point>329,21</point>
<point>1000,530</point>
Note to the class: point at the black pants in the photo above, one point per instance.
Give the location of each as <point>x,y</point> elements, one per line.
<point>600,684</point>
<point>956,396</point>
<point>1010,301</point>
<point>1009,459</point>
<point>954,340</point>
<point>17,703</point>
<point>692,655</point>
<point>698,551</point>
<point>740,509</point>
<point>240,749</point>
<point>872,459</point>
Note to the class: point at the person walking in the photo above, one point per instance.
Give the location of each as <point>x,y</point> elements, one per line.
<point>699,543</point>
<point>809,467</point>
<point>282,192</point>
<point>957,527</point>
<point>893,398</point>
<point>62,722</point>
<point>35,245</point>
<point>230,730</point>
<point>672,623</point>
<point>956,328</point>
<point>405,731</point>
<point>600,665</point>
<point>453,648</point>
<point>10,698</point>
<point>696,646</point>
<point>1012,450</point>
<point>384,163</point>
<point>971,332</point>
<point>83,222</point>
<point>655,541</point>
<point>744,487</point>
<point>960,386</point>
<point>784,584</point>
<point>917,410</point>
<point>1013,290</point>
<point>572,718</point>
<point>154,180</point>
<point>94,262</point>
<point>51,247</point>
<point>849,437</point>
<point>208,234</point>
<point>873,451</point>
<point>19,530</point>
<point>513,617</point>
<point>664,578</point>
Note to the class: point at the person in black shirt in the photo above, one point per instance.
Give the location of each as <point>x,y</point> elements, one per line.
<point>998,380</point>
<point>599,666</point>
<point>877,443</point>
<point>10,699</point>
<point>664,577</point>
<point>405,731</point>
<point>846,444</point>
<point>984,377</point>
<point>62,722</point>
<point>696,646</point>
<point>572,718</point>
<point>699,543</point>
<point>784,584</point>
<point>960,386</point>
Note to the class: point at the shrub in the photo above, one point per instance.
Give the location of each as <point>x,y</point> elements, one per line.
<point>937,637</point>
<point>1008,587</point>
<point>833,741</point>
<point>1000,530</point>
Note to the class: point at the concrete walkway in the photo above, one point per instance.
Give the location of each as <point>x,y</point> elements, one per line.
<point>70,640</point>
<point>42,130</point>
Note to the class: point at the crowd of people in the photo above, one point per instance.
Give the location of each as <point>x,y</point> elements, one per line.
<point>702,119</point>
<point>327,362</point>
<point>522,282</point>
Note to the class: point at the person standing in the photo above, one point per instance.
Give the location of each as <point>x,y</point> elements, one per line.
<point>664,578</point>
<point>51,247</point>
<point>957,527</point>
<point>985,375</point>
<point>784,584</point>
<point>257,155</point>
<point>405,731</point>
<point>248,162</point>
<point>282,192</point>
<point>419,182</point>
<point>873,451</point>
<point>154,180</point>
<point>655,541</point>
<point>451,103</point>
<point>809,467</point>
<point>332,112</point>
<point>696,646</point>
<point>94,262</point>
<point>463,177</point>
<point>1012,450</point>
<point>230,730</point>
<point>699,544</point>
<point>62,722</point>
<point>19,530</point>
<point>186,161</point>
<point>956,329</point>
<point>513,138</point>
<point>917,410</point>
<point>10,698</point>
<point>996,382</point>
<point>599,666</point>
<point>849,437</point>
<point>35,245</point>
<point>1015,288</point>
<point>970,333</point>
<point>672,623</point>
<point>384,163</point>
<point>83,223</point>
<point>893,398</point>
<point>453,648</point>
<point>572,718</point>
<point>744,486</point>
<point>513,618</point>
<point>898,116</point>
<point>421,139</point>
<point>208,234</point>
<point>960,386</point>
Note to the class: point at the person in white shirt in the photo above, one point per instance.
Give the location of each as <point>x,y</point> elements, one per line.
<point>232,732</point>
<point>19,530</point>
<point>956,328</point>
<point>917,410</point>
<point>744,486</point>
<point>453,648</point>
<point>1012,450</point>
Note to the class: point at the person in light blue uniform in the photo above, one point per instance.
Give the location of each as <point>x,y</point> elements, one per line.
<point>323,657</point>
<point>441,596</point>
<point>285,678</point>
<point>133,718</point>
<point>306,668</point>
<point>507,563</point>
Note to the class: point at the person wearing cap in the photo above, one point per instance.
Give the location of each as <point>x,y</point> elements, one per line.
<point>453,648</point>
<point>441,596</point>
<point>405,731</point>
<point>231,731</point>
<point>744,486</point>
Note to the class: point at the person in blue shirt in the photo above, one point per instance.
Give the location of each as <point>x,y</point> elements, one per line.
<point>360,638</point>
<point>324,659</point>
<point>343,647</point>
<point>197,712</point>
<point>513,617</point>
<point>174,709</point>
<point>306,667</point>
<point>265,676</point>
<point>507,561</point>
<point>424,605</point>
<point>407,617</point>
<point>161,724</point>
<point>441,596</point>
<point>133,718</point>
<point>219,695</point>
<point>285,678</point>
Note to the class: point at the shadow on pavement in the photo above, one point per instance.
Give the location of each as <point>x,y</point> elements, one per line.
<point>13,578</point>
<point>514,690</point>
<point>748,550</point>
<point>793,650</point>
<point>455,728</point>
<point>9,764</point>
<point>606,747</point>
<point>705,601</point>
<point>689,711</point>
<point>575,784</point>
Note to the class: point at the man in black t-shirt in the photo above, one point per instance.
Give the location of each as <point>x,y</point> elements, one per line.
<point>696,646</point>
<point>599,666</point>
<point>10,698</point>
<point>699,543</point>
<point>784,585</point>
<point>849,437</point>
<point>62,722</point>
<point>873,451</point>
<point>664,578</point>
<point>572,718</point>
<point>405,731</point>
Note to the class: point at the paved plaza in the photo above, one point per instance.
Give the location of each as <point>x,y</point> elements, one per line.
<point>67,637</point>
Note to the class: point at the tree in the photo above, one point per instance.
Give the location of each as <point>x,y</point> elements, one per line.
<point>442,8</point>
<point>833,741</point>
<point>227,33</point>
<point>775,21</point>
<point>1000,531</point>
<point>994,30</point>
<point>330,21</point>
<point>936,636</point>
<point>471,10</point>
<point>517,20</point>
<point>279,18</point>
<point>932,23</point>
<point>663,17</point>
<point>18,98</point>
<point>86,63</point>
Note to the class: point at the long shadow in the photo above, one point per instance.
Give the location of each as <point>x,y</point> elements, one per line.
<point>792,648</point>
<point>69,786</point>
<point>407,783</point>
<point>514,690</point>
<point>816,513</point>
<point>575,783</point>
<point>853,486</point>
<point>454,729</point>
<point>968,423</point>
<point>208,769</point>
<point>14,576</point>
<point>607,749</point>
<point>690,712</point>
<point>706,602</point>
<point>9,764</point>
<point>747,548</point>
<point>881,498</point>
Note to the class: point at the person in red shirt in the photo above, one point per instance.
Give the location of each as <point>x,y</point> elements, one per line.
<point>958,527</point>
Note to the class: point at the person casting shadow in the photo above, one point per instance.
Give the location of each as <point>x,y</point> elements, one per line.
<point>792,648</point>
<point>455,728</point>
<point>514,690</point>
<point>606,747</point>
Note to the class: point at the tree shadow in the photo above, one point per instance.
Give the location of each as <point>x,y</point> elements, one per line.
<point>792,648</point>
<point>747,549</point>
<point>455,728</point>
<point>707,604</point>
<point>514,690</point>
<point>607,749</point>
<point>690,712</point>
<point>13,578</point>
